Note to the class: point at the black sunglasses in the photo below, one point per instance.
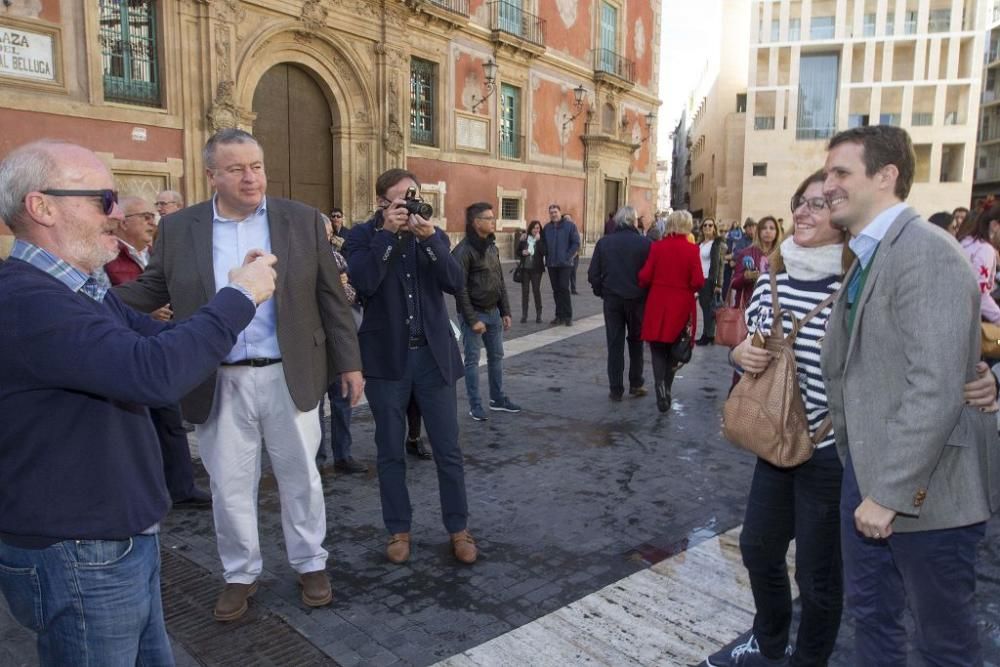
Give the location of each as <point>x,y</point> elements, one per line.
<point>108,197</point>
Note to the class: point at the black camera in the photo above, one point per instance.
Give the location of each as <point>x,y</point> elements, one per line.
<point>417,206</point>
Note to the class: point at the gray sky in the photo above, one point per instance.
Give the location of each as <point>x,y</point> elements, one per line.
<point>688,34</point>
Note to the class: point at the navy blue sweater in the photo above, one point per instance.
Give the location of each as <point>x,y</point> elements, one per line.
<point>79,458</point>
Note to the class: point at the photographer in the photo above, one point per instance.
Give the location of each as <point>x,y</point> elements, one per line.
<point>401,267</point>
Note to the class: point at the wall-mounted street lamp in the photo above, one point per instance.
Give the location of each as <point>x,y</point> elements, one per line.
<point>650,119</point>
<point>579,95</point>
<point>490,72</point>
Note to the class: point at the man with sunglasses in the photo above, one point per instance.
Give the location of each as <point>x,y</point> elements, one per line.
<point>401,266</point>
<point>267,390</point>
<point>82,492</point>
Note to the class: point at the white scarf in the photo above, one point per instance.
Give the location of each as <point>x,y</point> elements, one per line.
<point>808,264</point>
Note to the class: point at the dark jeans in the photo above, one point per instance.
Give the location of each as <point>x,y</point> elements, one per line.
<point>800,503</point>
<point>436,397</point>
<point>532,280</point>
<point>340,426</point>
<point>663,365</point>
<point>89,602</point>
<point>412,419</point>
<point>623,321</point>
<point>932,570</point>
<point>706,299</point>
<point>177,469</point>
<point>559,275</point>
<point>572,274</point>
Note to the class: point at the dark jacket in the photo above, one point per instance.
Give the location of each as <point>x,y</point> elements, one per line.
<point>484,288</point>
<point>714,277</point>
<point>373,256</point>
<point>562,242</point>
<point>79,458</point>
<point>614,268</point>
<point>535,263</point>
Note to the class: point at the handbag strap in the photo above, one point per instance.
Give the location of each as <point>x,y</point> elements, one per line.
<point>824,428</point>
<point>797,324</point>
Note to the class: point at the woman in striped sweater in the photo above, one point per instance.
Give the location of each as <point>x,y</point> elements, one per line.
<point>801,503</point>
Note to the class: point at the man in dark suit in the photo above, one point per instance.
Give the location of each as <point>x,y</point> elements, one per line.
<point>614,275</point>
<point>270,384</point>
<point>401,267</point>
<point>921,467</point>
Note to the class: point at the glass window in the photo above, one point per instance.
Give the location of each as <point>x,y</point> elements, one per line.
<point>822,27</point>
<point>940,20</point>
<point>794,30</point>
<point>763,122</point>
<point>922,118</point>
<point>910,27</point>
<point>129,51</point>
<point>510,208</point>
<point>423,80</point>
<point>760,169</point>
<point>511,14</point>
<point>741,102</point>
<point>775,30</point>
<point>857,120</point>
<point>890,23</point>
<point>889,119</point>
<point>869,25</point>
<point>609,37</point>
<point>817,118</point>
<point>510,122</point>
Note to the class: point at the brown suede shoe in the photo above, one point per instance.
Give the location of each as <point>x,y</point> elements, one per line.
<point>398,550</point>
<point>232,603</point>
<point>464,547</point>
<point>316,590</point>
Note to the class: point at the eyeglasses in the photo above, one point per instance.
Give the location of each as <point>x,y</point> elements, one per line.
<point>336,215</point>
<point>146,214</point>
<point>108,197</point>
<point>815,204</point>
<point>489,218</point>
<point>161,204</point>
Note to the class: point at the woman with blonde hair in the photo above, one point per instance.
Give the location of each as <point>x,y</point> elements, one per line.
<point>672,274</point>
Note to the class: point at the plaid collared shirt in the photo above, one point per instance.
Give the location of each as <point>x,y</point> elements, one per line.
<point>95,285</point>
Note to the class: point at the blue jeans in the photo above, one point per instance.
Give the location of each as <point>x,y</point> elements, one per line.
<point>493,338</point>
<point>89,602</point>
<point>388,400</point>
<point>340,426</point>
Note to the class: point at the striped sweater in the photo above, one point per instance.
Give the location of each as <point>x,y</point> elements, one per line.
<point>798,297</point>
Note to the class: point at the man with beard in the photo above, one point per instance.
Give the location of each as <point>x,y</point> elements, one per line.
<point>920,466</point>
<point>82,492</point>
<point>483,309</point>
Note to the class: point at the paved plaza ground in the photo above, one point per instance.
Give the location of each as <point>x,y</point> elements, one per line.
<point>607,531</point>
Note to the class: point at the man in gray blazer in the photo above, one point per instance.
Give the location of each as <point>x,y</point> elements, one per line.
<point>271,383</point>
<point>921,468</point>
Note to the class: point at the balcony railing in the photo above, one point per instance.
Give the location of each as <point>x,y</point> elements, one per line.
<point>609,62</point>
<point>511,19</point>
<point>511,146</point>
<point>460,7</point>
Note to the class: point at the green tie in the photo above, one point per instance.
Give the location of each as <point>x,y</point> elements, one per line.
<point>861,290</point>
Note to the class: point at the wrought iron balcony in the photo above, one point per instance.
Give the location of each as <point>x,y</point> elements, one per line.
<point>607,61</point>
<point>511,146</point>
<point>508,18</point>
<point>460,7</point>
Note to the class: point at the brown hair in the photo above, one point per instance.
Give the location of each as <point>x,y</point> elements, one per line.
<point>777,263</point>
<point>389,178</point>
<point>883,145</point>
<point>978,227</point>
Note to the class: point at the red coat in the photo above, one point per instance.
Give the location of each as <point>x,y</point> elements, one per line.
<point>122,269</point>
<point>672,273</point>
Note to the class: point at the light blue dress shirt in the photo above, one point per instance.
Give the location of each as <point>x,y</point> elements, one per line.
<point>866,243</point>
<point>231,241</point>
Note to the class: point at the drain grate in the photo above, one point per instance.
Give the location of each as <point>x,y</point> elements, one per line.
<point>259,639</point>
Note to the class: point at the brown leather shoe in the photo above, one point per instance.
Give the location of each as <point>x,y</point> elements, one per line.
<point>232,603</point>
<point>316,590</point>
<point>464,547</point>
<point>398,550</point>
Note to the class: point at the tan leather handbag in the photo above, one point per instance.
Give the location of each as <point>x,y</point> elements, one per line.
<point>764,413</point>
<point>990,340</point>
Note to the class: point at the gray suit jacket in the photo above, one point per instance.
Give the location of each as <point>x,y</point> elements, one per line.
<point>894,383</point>
<point>316,331</point>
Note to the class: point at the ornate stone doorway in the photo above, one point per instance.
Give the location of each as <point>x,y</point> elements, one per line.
<point>293,124</point>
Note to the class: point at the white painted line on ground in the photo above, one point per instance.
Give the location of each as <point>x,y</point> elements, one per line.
<point>674,613</point>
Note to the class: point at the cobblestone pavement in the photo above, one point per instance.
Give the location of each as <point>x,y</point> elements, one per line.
<point>578,504</point>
